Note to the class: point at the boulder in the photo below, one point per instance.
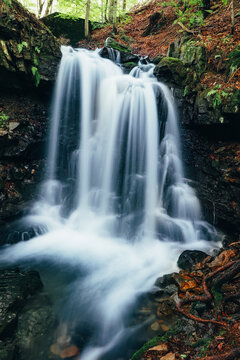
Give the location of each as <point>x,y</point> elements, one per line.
<point>172,71</point>
<point>26,316</point>
<point>189,258</point>
<point>61,25</point>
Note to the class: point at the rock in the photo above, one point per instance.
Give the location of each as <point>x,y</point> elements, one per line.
<point>26,316</point>
<point>69,352</point>
<point>155,326</point>
<point>165,280</point>
<point>189,258</point>
<point>25,43</point>
<point>110,42</point>
<point>55,349</point>
<point>67,27</point>
<point>171,70</point>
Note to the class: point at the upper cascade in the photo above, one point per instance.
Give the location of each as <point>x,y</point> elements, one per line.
<point>115,150</point>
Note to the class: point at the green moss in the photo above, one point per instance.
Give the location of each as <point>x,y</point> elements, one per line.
<point>172,70</point>
<point>194,55</point>
<point>129,65</point>
<point>115,45</point>
<point>153,342</point>
<point>234,57</point>
<point>156,341</point>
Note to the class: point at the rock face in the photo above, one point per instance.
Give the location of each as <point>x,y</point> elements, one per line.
<point>22,152</point>
<point>29,53</point>
<point>210,131</point>
<point>29,57</point>
<point>26,317</point>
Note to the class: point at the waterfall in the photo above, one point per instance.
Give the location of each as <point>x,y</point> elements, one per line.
<point>115,202</point>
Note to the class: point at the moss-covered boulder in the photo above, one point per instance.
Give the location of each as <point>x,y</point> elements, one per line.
<point>29,52</point>
<point>172,71</point>
<point>110,42</point>
<point>61,25</point>
<point>192,54</point>
<point>117,52</point>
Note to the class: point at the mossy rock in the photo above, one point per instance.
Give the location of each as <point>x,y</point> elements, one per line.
<point>110,42</point>
<point>194,55</point>
<point>69,27</point>
<point>25,43</point>
<point>172,71</point>
<point>232,103</point>
<point>129,66</point>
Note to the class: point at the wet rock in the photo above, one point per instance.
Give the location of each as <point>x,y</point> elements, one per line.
<point>165,280</point>
<point>26,316</point>
<point>171,70</point>
<point>189,258</point>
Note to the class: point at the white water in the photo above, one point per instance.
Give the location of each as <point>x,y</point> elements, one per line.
<point>115,202</point>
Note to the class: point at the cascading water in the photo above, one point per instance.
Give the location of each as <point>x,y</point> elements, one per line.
<point>115,202</point>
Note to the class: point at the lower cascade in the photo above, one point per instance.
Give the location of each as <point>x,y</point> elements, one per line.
<point>115,210</point>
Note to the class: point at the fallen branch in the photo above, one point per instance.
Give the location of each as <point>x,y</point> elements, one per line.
<point>185,28</point>
<point>195,318</point>
<point>207,295</point>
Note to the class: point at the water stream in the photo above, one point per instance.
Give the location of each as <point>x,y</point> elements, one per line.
<point>115,209</point>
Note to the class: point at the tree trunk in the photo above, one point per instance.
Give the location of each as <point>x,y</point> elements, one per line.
<point>40,7</point>
<point>111,11</point>
<point>87,32</point>
<point>105,11</point>
<point>233,18</point>
<point>49,4</point>
<point>114,16</point>
<point>124,5</point>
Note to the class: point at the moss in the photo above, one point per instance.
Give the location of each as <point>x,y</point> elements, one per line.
<point>193,55</point>
<point>115,45</point>
<point>172,70</point>
<point>153,342</point>
<point>129,65</point>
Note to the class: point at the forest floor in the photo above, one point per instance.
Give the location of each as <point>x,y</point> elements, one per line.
<point>214,35</point>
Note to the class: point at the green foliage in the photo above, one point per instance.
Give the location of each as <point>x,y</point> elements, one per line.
<point>3,119</point>
<point>204,343</point>
<point>67,16</point>
<point>35,60</point>
<point>216,95</point>
<point>8,2</point>
<point>190,16</point>
<point>153,342</point>
<point>36,75</point>
<point>37,49</point>
<point>21,46</point>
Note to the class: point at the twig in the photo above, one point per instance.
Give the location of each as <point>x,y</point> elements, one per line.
<point>192,317</point>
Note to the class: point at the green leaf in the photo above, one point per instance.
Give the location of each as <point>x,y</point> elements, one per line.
<point>34,70</point>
